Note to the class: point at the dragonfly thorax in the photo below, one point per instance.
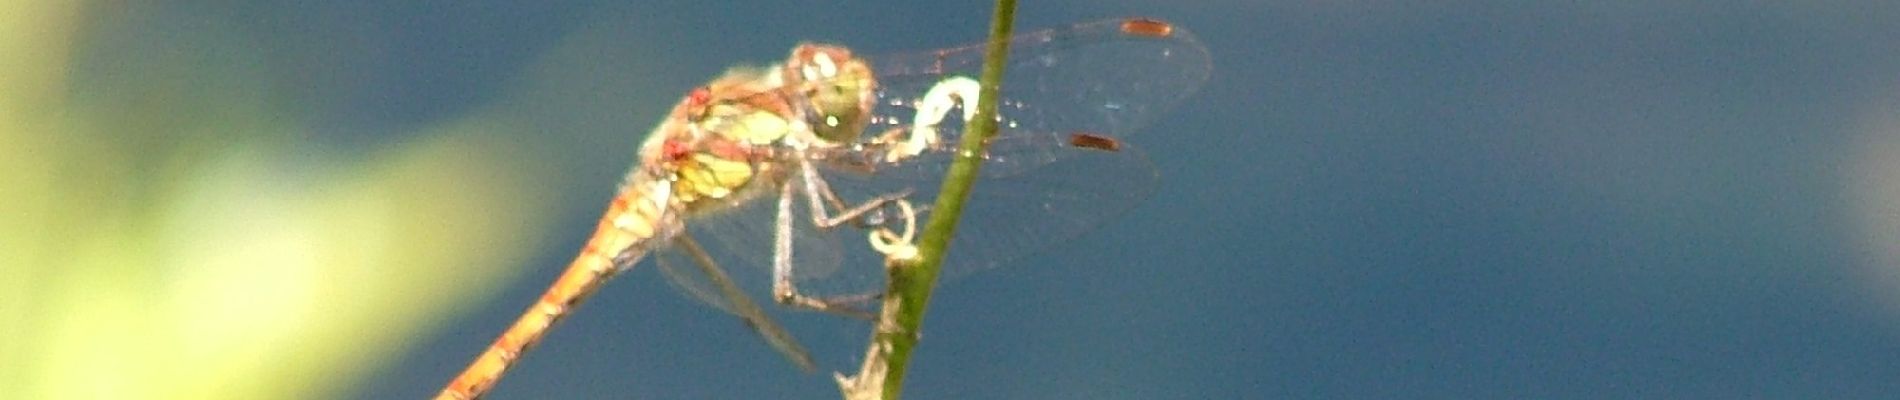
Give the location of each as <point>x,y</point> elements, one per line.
<point>738,136</point>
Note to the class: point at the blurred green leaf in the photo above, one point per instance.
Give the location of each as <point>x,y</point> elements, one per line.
<point>170,232</point>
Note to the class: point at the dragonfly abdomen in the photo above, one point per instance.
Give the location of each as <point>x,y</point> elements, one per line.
<point>636,219</point>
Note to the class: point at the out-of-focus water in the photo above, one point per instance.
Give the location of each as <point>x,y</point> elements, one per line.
<point>1368,200</point>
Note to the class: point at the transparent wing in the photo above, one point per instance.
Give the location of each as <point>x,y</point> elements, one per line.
<point>1107,78</point>
<point>1056,169</point>
<point>825,262</point>
<point>693,270</point>
<point>1009,216</point>
<point>740,239</point>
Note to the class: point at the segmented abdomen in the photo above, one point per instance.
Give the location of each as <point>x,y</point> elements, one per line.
<point>638,218</point>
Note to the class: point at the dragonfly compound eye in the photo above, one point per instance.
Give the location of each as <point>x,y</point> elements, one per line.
<point>836,87</point>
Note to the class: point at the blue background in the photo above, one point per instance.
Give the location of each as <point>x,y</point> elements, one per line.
<point>1368,200</point>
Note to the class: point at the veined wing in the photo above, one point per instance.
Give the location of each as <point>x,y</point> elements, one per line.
<point>1057,167</point>
<point>1085,181</point>
<point>740,238</point>
<point>1106,78</point>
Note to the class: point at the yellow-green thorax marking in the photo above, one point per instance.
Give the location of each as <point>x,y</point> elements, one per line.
<point>735,138</point>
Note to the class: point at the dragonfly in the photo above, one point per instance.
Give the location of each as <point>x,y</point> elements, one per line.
<point>784,166</point>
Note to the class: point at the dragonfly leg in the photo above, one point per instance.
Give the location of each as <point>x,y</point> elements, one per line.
<point>818,194</point>
<point>893,245</point>
<point>754,317</point>
<point>784,290</point>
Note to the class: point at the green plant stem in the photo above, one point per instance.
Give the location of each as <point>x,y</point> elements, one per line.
<point>912,283</point>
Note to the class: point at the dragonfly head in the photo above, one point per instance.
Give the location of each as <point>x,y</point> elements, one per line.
<point>834,88</point>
